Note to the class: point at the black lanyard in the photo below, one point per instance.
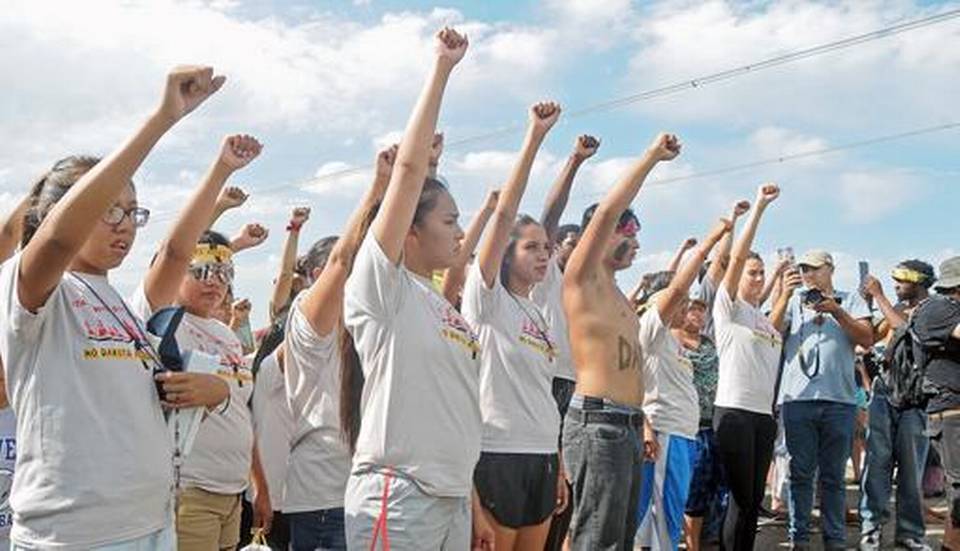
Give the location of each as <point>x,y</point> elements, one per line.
<point>141,343</point>
<point>804,367</point>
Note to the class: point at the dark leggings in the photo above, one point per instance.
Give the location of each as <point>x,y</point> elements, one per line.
<point>745,447</point>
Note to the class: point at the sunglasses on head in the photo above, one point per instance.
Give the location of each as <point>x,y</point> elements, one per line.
<point>138,215</point>
<point>206,272</point>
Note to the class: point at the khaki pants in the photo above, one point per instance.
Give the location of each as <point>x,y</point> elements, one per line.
<point>207,521</point>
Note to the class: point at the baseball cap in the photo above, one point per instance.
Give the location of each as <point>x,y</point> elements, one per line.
<point>815,259</point>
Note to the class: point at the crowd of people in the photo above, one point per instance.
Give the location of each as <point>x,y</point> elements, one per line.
<point>422,387</point>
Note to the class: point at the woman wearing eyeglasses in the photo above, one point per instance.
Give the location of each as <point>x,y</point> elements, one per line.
<point>94,459</point>
<point>193,269</point>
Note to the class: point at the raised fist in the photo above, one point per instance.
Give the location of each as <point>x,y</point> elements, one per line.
<point>585,147</point>
<point>187,87</point>
<point>436,148</point>
<point>231,197</point>
<point>544,115</point>
<point>451,45</point>
<point>238,150</point>
<point>767,194</point>
<point>299,215</point>
<point>690,243</point>
<point>250,236</point>
<point>385,159</point>
<point>493,197</point>
<point>741,208</point>
<point>665,147</point>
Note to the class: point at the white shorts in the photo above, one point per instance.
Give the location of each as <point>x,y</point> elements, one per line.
<point>384,510</point>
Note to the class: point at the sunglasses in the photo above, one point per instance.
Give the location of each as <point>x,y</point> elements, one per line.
<point>629,227</point>
<point>205,272</point>
<point>138,215</point>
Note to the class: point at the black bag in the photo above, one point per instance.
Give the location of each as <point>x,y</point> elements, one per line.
<point>906,362</point>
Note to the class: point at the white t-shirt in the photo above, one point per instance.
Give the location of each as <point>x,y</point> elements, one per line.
<point>548,294</point>
<point>319,459</point>
<point>8,457</point>
<point>92,443</point>
<point>516,369</point>
<point>749,349</point>
<point>220,459</point>
<point>420,403</point>
<point>273,427</point>
<point>670,399</point>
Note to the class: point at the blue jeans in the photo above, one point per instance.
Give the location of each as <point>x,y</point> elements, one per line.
<point>819,436</point>
<point>322,529</point>
<point>894,438</point>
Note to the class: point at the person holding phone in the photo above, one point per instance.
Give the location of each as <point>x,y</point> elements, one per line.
<point>818,393</point>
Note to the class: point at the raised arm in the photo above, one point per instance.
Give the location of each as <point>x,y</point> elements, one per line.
<point>163,279</point>
<point>323,303</point>
<point>584,148</point>
<point>230,197</point>
<point>872,289</point>
<point>456,274</point>
<point>70,222</point>
<point>772,288</point>
<point>585,261</point>
<point>542,117</point>
<point>767,194</point>
<point>11,229</point>
<point>284,282</point>
<point>251,235</point>
<point>721,258</point>
<point>393,220</point>
<point>436,150</point>
<point>790,281</point>
<point>676,295</point>
<point>687,244</point>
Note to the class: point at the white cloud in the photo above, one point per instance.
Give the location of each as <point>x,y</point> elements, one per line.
<point>683,40</point>
<point>339,179</point>
<point>873,195</point>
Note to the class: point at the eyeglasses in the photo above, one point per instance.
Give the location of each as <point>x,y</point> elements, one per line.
<point>205,272</point>
<point>139,215</point>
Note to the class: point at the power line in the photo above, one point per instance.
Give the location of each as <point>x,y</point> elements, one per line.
<point>685,85</point>
<point>787,157</point>
<point>695,83</point>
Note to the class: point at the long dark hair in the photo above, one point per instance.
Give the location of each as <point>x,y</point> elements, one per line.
<point>523,221</point>
<point>351,371</point>
<point>50,188</point>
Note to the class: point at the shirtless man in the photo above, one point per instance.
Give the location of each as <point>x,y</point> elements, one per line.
<point>602,436</point>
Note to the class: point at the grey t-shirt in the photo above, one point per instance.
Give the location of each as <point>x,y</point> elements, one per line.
<point>319,462</point>
<point>420,403</point>
<point>707,292</point>
<point>95,461</point>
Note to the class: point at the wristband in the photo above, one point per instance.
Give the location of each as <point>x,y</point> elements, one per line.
<point>294,226</point>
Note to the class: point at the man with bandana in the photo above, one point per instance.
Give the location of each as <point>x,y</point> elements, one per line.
<point>896,435</point>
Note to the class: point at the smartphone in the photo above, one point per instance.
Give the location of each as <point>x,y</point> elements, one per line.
<point>786,253</point>
<point>864,272</point>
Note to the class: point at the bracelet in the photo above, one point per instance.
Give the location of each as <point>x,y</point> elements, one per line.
<point>294,226</point>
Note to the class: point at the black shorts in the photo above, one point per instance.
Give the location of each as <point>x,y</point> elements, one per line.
<point>518,489</point>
